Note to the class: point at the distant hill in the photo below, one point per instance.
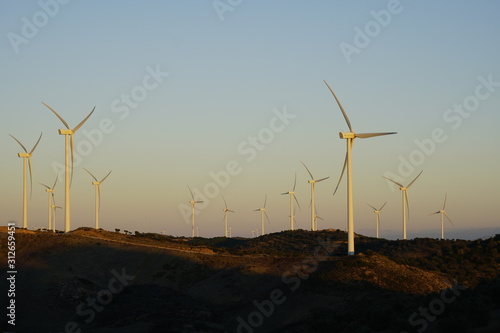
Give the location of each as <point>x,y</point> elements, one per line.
<point>291,281</point>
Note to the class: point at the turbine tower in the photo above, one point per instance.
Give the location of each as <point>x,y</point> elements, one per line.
<point>406,205</point>
<point>313,207</point>
<point>193,203</point>
<point>292,195</point>
<point>26,160</point>
<point>262,213</point>
<point>97,185</point>
<point>377,216</point>
<point>443,215</point>
<point>226,210</point>
<point>350,136</point>
<point>68,150</point>
<point>51,200</point>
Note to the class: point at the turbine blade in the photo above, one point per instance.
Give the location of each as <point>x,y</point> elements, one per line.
<point>294,182</point>
<point>83,121</point>
<point>310,174</point>
<point>192,196</point>
<point>265,201</point>
<point>225,203</point>
<point>446,215</point>
<point>414,179</point>
<point>285,193</point>
<point>58,116</point>
<point>105,177</point>
<point>434,213</point>
<point>371,135</point>
<point>407,203</point>
<point>91,175</point>
<point>36,144</point>
<point>53,186</point>
<point>444,205</point>
<point>31,177</point>
<point>341,175</point>
<point>267,217</point>
<point>24,148</point>
<point>320,180</point>
<point>382,206</point>
<point>372,207</point>
<point>341,108</point>
<point>45,186</point>
<point>395,182</point>
<point>297,201</point>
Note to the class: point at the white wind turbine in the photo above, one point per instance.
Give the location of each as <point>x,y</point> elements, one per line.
<point>54,207</point>
<point>313,207</point>
<point>193,204</point>
<point>262,213</point>
<point>443,215</point>
<point>316,217</point>
<point>350,136</point>
<point>69,150</point>
<point>97,185</point>
<point>51,201</point>
<point>26,161</point>
<point>226,210</point>
<point>406,204</point>
<point>292,195</point>
<point>377,215</point>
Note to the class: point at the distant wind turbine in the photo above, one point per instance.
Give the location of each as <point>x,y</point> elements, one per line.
<point>69,150</point>
<point>443,215</point>
<point>292,195</point>
<point>350,136</point>
<point>26,161</point>
<point>193,204</point>
<point>377,215</point>
<point>55,208</point>
<point>97,185</point>
<point>406,204</point>
<point>226,210</point>
<point>313,207</point>
<point>262,213</point>
<point>316,217</point>
<point>51,201</point>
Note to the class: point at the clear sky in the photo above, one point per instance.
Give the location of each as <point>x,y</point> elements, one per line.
<point>186,89</point>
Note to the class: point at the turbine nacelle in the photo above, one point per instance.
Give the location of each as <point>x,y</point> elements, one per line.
<point>24,155</point>
<point>96,183</point>
<point>66,132</point>
<point>347,135</point>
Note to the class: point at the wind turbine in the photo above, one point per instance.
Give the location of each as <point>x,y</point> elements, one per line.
<point>54,207</point>
<point>69,150</point>
<point>350,136</point>
<point>193,203</point>
<point>97,185</point>
<point>316,216</point>
<point>443,214</point>
<point>377,215</point>
<point>313,207</point>
<point>50,192</point>
<point>406,205</point>
<point>292,195</point>
<point>226,210</point>
<point>262,213</point>
<point>26,160</point>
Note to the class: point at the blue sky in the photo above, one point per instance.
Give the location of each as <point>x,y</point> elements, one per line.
<point>181,90</point>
